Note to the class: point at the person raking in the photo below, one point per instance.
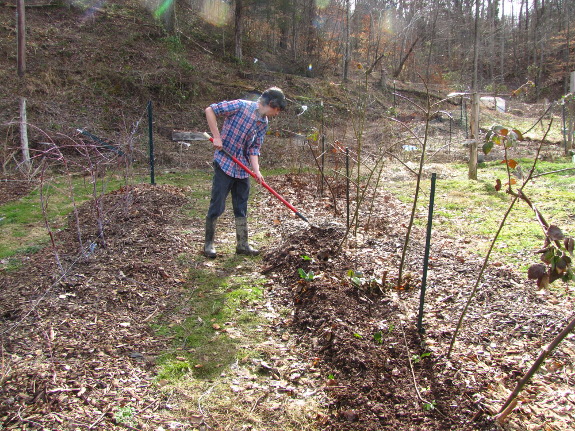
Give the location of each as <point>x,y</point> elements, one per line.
<point>242,135</point>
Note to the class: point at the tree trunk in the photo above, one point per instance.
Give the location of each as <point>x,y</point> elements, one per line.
<point>347,47</point>
<point>284,24</point>
<point>502,68</point>
<point>311,34</point>
<point>472,175</point>
<point>21,17</point>
<point>168,14</point>
<point>431,42</point>
<point>238,30</point>
<point>399,68</point>
<point>294,42</point>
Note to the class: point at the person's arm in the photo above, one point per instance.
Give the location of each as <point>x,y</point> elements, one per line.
<point>213,125</point>
<point>255,165</point>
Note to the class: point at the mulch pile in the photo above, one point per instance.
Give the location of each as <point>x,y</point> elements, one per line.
<point>75,336</point>
<point>77,343</point>
<point>362,328</point>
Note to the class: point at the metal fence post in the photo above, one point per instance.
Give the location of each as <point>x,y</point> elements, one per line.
<point>426,256</point>
<point>151,142</point>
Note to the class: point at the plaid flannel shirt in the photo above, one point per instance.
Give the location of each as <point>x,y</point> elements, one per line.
<point>242,134</point>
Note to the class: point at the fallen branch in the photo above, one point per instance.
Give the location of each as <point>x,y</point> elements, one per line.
<point>508,405</point>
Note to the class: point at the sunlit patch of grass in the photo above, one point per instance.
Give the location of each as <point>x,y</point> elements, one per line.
<point>471,211</point>
<point>222,318</point>
<point>15,240</point>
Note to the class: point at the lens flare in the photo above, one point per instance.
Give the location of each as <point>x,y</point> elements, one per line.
<point>387,22</point>
<point>162,8</point>
<point>215,12</point>
<point>91,8</point>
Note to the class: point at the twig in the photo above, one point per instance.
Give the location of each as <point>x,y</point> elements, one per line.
<point>500,418</point>
<point>151,315</point>
<point>505,409</point>
<point>200,399</point>
<point>258,401</point>
<point>411,369</point>
<point>100,418</point>
<point>540,118</point>
<point>552,172</point>
<point>516,196</point>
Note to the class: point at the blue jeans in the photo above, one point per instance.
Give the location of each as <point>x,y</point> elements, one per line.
<point>222,185</point>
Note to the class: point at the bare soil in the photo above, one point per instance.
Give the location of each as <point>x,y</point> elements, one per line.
<point>77,342</point>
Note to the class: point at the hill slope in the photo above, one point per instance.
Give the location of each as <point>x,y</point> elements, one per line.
<point>98,68</point>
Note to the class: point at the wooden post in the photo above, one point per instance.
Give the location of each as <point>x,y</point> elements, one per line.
<point>24,134</point>
<point>472,175</point>
<point>21,37</point>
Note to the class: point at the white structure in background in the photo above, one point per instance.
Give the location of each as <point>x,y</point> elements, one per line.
<point>492,102</point>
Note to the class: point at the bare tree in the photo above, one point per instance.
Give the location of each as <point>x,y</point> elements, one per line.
<point>238,29</point>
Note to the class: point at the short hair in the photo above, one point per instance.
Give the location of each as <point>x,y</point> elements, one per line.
<point>274,97</point>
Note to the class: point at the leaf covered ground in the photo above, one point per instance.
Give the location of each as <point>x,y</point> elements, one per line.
<point>78,348</point>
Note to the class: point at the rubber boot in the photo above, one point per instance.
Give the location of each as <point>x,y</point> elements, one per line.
<point>209,249</point>
<point>242,246</point>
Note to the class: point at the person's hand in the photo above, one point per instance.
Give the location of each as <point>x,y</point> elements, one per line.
<point>218,144</point>
<point>258,176</point>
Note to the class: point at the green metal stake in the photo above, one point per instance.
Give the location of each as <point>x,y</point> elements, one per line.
<point>151,141</point>
<point>426,256</point>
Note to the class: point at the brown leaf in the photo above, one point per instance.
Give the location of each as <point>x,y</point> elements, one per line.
<point>554,233</point>
<point>349,415</point>
<point>561,266</point>
<point>511,163</point>
<point>536,271</point>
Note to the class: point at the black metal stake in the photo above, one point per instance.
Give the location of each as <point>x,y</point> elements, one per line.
<point>347,181</point>
<point>426,256</point>
<point>464,111</point>
<point>322,151</point>
<point>564,129</point>
<point>151,141</point>
<point>450,133</point>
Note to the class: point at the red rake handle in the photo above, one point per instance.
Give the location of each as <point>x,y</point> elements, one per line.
<point>263,183</point>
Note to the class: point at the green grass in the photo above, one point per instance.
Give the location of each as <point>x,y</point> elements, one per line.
<point>471,211</point>
<point>489,117</point>
<point>219,326</point>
